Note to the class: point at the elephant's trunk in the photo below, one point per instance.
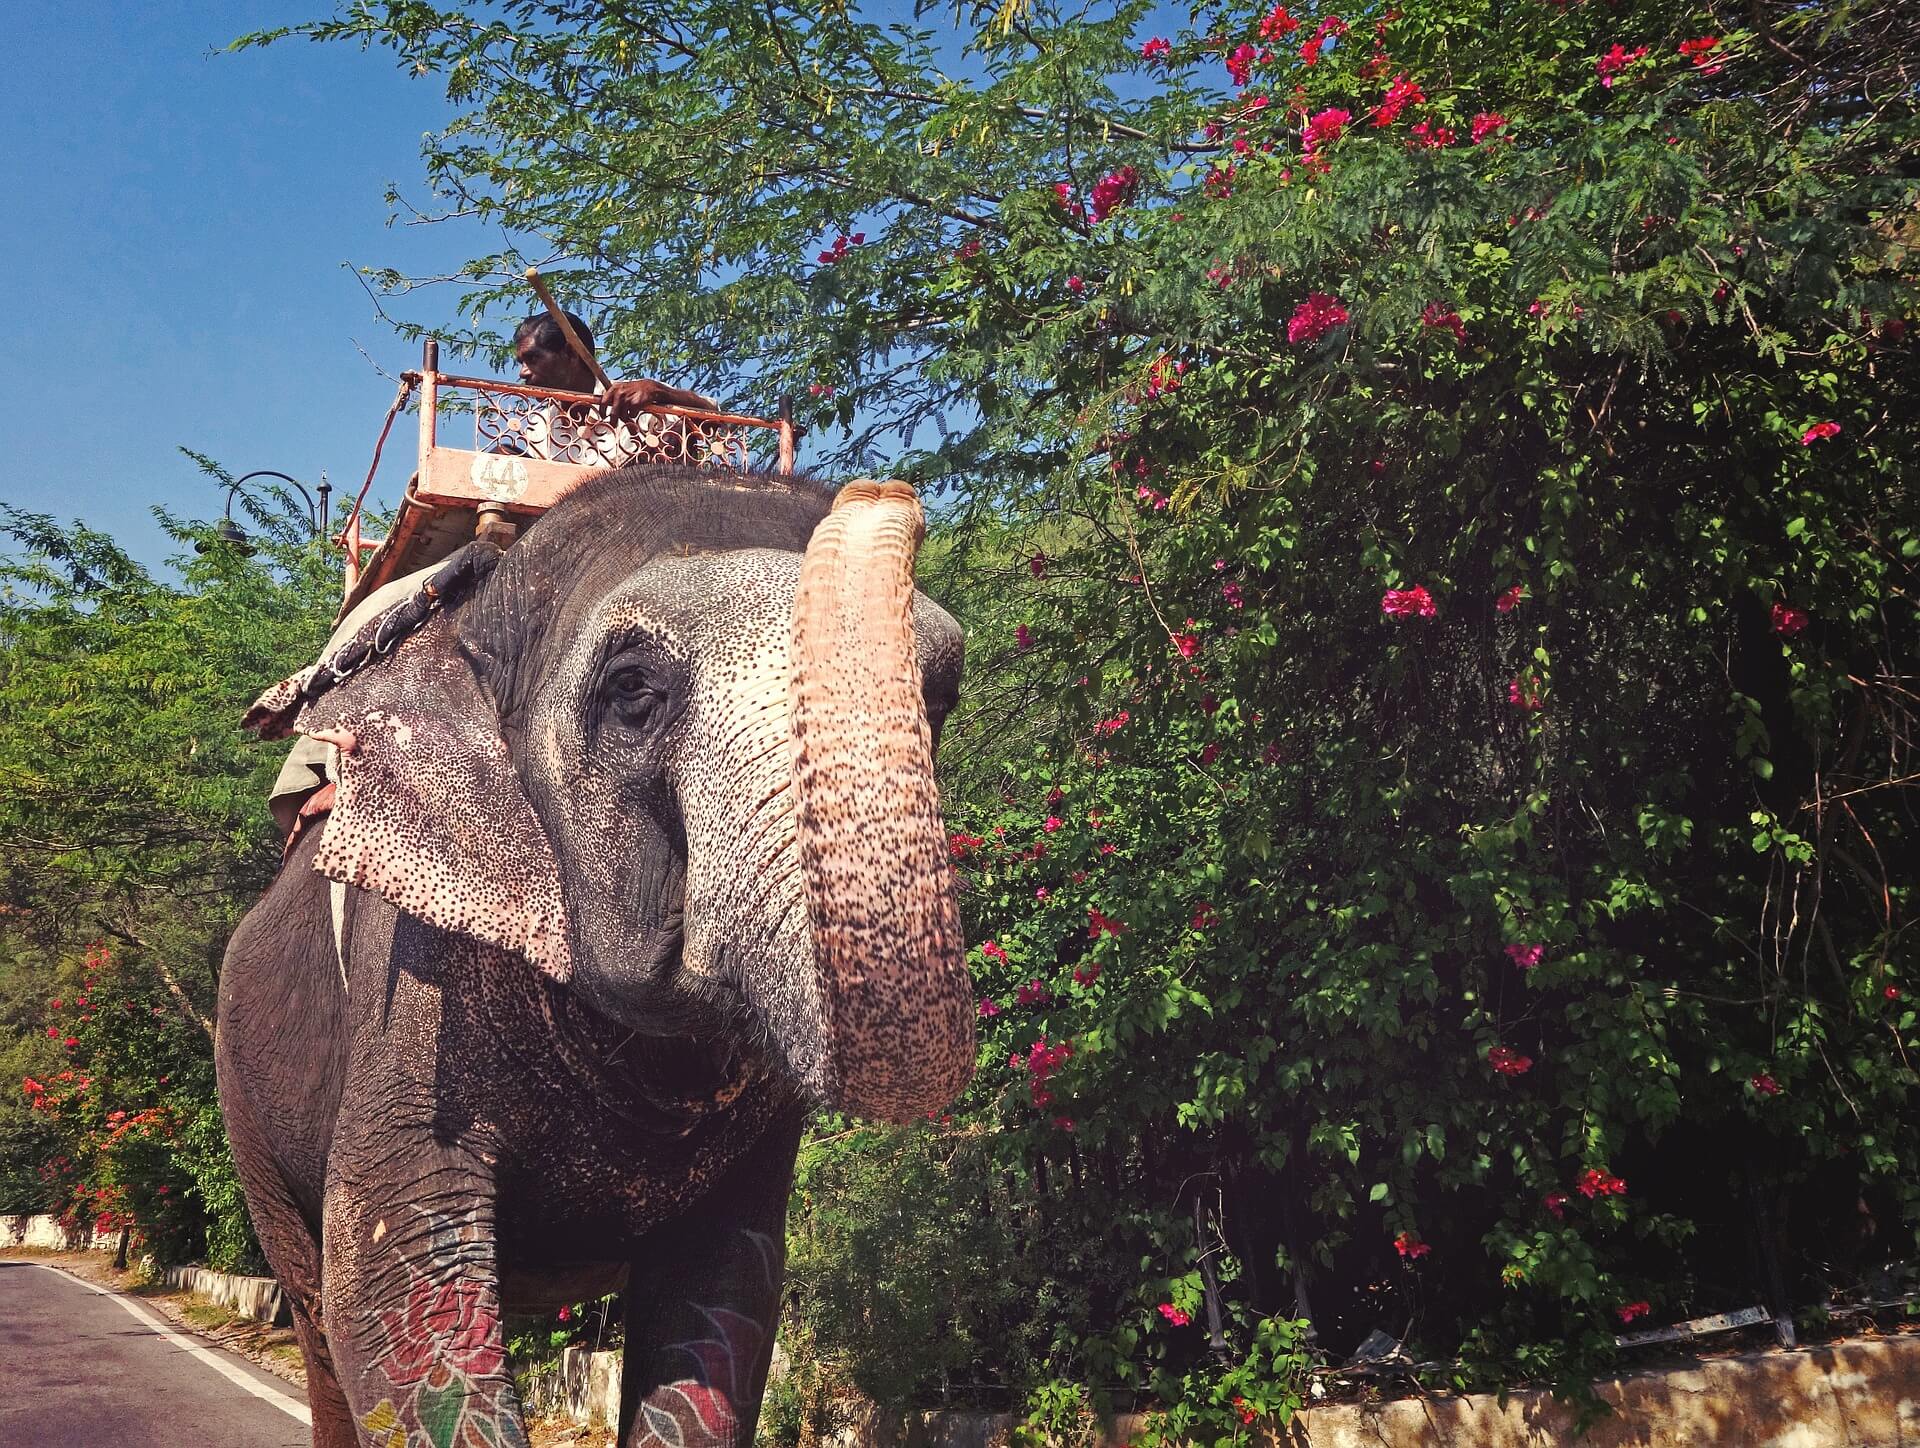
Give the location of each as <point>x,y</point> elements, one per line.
<point>879,891</point>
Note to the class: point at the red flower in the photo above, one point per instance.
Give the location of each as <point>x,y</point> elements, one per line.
<point>1510,600</point>
<point>1892,992</point>
<point>1764,1085</point>
<point>1431,137</point>
<point>1204,917</point>
<point>1788,621</point>
<point>71,1042</point>
<point>1318,315</point>
<point>1037,565</point>
<point>1087,974</point>
<point>1700,53</point>
<point>455,1323</point>
<point>1277,23</point>
<point>1521,693</point>
<point>1526,956</point>
<point>1112,191</point>
<point>841,245</point>
<point>1407,602</point>
<point>1099,924</point>
<point>1113,725</point>
<point>1247,1415</point>
<point>1075,285</point>
<point>565,1314</point>
<point>1155,49</point>
<point>1597,1182</point>
<point>989,1008</point>
<point>994,951</point>
<point>1240,64</point>
<point>1627,1312</point>
<point>1023,637</point>
<point>1209,754</point>
<point>1508,1062</point>
<point>1325,126</point>
<point>1311,47</point>
<point>1556,1202</point>
<point>1485,124</point>
<point>1051,823</point>
<point>960,845</point>
<point>1440,317</point>
<point>56,1004</point>
<point>1401,93</point>
<point>1033,993</point>
<point>1818,432</point>
<point>1174,1315</point>
<point>1188,644</point>
<point>1615,61</point>
<point>1410,1247</point>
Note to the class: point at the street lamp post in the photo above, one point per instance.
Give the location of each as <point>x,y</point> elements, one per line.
<point>231,533</point>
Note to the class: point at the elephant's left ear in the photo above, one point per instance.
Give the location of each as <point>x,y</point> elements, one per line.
<point>430,813</point>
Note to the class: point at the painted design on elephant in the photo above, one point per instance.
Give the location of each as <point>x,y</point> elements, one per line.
<point>444,1352</point>
<point>702,1410</point>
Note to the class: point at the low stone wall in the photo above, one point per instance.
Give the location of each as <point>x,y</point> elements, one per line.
<point>1861,1394</point>
<point>583,1386</point>
<point>259,1298</point>
<point>47,1234</point>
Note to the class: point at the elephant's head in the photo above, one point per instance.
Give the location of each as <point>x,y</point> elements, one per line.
<point>675,747</point>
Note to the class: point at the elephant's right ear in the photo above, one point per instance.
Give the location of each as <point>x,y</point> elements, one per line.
<point>430,813</point>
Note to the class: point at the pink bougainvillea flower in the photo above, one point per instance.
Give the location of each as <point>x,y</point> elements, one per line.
<point>1819,432</point>
<point>1113,725</point>
<point>1318,315</point>
<point>961,844</point>
<point>1526,956</point>
<point>1209,754</point>
<point>1556,1202</point>
<point>1098,924</point>
<point>989,1008</point>
<point>1204,917</point>
<point>1401,93</point>
<point>1407,602</point>
<point>1043,893</point>
<point>1277,23</point>
<point>1323,129</point>
<point>1440,317</point>
<point>1410,1247</point>
<point>1628,1311</point>
<point>1037,565</point>
<point>1508,1062</point>
<point>1764,1085</point>
<point>1788,621</point>
<point>1510,600</point>
<point>1616,60</point>
<point>1597,1182</point>
<point>1485,124</point>
<point>1155,49</point>
<point>1112,191</point>
<point>993,950</point>
<point>1524,693</point>
<point>1430,136</point>
<point>1892,992</point>
<point>1087,974</point>
<point>1314,44</point>
<point>1700,52</point>
<point>1051,823</point>
<point>1247,1415</point>
<point>1174,1315</point>
<point>1240,64</point>
<point>1023,637</point>
<point>1107,849</point>
<point>1230,591</point>
<point>1033,993</point>
<point>1188,644</point>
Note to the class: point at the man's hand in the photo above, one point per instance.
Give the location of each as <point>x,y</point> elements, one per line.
<point>640,394</point>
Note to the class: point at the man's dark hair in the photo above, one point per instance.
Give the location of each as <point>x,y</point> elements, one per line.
<point>546,333</point>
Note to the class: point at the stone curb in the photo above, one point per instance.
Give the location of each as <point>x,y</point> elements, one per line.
<point>259,1298</point>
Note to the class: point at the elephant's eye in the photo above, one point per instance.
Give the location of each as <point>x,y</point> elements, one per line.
<point>633,694</point>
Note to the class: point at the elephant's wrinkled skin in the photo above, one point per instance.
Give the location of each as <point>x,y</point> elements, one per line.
<point>648,857</point>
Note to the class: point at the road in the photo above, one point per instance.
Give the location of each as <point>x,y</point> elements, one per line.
<point>79,1370</point>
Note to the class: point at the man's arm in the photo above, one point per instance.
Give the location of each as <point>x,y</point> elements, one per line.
<point>639,394</point>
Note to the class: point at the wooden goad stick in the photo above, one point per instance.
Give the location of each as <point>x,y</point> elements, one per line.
<point>578,347</point>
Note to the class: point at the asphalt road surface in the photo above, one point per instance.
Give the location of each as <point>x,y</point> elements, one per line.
<point>79,1370</point>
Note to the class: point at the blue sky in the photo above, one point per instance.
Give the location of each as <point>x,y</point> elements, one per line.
<point>177,233</point>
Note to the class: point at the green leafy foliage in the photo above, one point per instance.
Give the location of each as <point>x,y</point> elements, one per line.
<point>133,831</point>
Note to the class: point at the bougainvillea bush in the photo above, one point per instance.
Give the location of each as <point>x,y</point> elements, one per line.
<point>1429,491</point>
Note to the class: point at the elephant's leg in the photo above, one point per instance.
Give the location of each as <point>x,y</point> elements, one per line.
<point>412,1298</point>
<point>702,1307</point>
<point>294,1255</point>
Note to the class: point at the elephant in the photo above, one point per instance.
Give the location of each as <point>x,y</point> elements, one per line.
<point>636,858</point>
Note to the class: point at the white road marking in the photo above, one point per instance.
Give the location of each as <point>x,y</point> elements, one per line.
<point>292,1407</point>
